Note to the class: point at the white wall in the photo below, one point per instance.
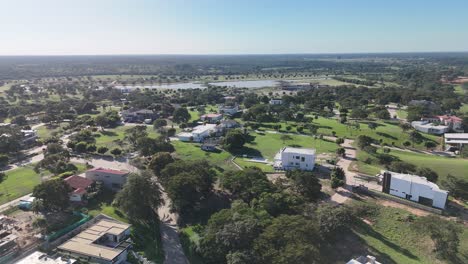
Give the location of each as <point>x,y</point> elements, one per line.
<point>287,158</point>
<point>401,188</point>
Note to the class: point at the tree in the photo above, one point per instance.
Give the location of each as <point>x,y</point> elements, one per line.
<point>140,196</point>
<point>341,152</point>
<point>116,152</point>
<point>363,140</point>
<point>159,161</point>
<point>3,160</point>
<point>288,239</point>
<point>102,150</point>
<point>415,137</point>
<point>285,137</point>
<point>80,147</point>
<point>148,146</point>
<point>457,187</point>
<point>358,113</point>
<point>337,177</point>
<point>332,220</point>
<point>406,144</point>
<point>101,121</point>
<point>339,141</point>
<point>402,167</point>
<point>305,183</point>
<point>382,114</point>
<point>372,126</point>
<point>134,133</point>
<point>19,120</point>
<point>234,139</point>
<point>159,123</point>
<point>54,194</point>
<point>181,115</point>
<point>246,184</point>
<point>430,144</point>
<point>430,175</point>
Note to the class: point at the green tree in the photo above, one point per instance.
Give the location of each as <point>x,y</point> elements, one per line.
<point>234,140</point>
<point>80,147</point>
<point>337,177</point>
<point>305,183</point>
<point>430,144</point>
<point>54,194</point>
<point>181,115</point>
<point>285,137</point>
<point>332,220</point>
<point>246,184</point>
<point>139,197</point>
<point>3,160</point>
<point>430,175</point>
<point>457,187</point>
<point>415,137</point>
<point>159,123</point>
<point>159,161</point>
<point>134,133</point>
<point>116,152</point>
<point>289,239</point>
<point>102,150</point>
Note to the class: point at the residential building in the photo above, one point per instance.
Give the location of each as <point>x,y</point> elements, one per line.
<point>198,133</point>
<point>112,179</point>
<point>415,188</point>
<point>456,139</point>
<point>104,242</point>
<point>276,101</point>
<point>79,186</point>
<point>134,115</point>
<point>364,260</point>
<point>29,136</point>
<point>295,158</point>
<point>453,122</point>
<point>38,257</point>
<point>430,128</point>
<point>231,109</point>
<point>211,118</point>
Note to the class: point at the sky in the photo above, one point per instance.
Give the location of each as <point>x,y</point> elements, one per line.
<point>102,27</point>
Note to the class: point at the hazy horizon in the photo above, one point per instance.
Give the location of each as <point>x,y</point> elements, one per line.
<point>208,27</point>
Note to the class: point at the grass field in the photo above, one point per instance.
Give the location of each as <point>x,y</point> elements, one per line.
<point>244,163</point>
<point>393,240</point>
<point>109,136</point>
<point>46,131</point>
<point>192,151</point>
<point>387,132</point>
<point>464,108</point>
<point>402,113</point>
<point>442,165</point>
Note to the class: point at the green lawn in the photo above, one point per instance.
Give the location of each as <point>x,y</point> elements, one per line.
<point>402,113</point>
<point>110,136</point>
<point>388,132</point>
<point>192,151</point>
<point>244,163</point>
<point>393,240</point>
<point>49,131</point>
<point>268,144</point>
<point>442,165</point>
<point>190,240</point>
<point>464,108</point>
<point>18,182</point>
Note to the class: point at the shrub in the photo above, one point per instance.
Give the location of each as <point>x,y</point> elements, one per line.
<point>116,152</point>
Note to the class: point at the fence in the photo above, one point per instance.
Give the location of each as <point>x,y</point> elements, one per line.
<point>399,200</point>
<point>53,236</point>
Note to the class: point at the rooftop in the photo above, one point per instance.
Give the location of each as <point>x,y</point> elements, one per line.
<point>211,115</point>
<point>427,125</point>
<point>456,135</point>
<point>450,118</point>
<point>38,257</point>
<point>79,184</point>
<point>85,243</point>
<point>415,179</point>
<point>203,128</point>
<point>111,171</point>
<point>304,151</point>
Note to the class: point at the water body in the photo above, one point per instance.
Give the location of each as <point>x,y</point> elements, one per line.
<point>195,85</point>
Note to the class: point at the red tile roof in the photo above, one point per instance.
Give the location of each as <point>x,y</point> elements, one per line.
<point>210,115</point>
<point>450,118</point>
<point>111,171</point>
<point>79,191</point>
<point>78,183</point>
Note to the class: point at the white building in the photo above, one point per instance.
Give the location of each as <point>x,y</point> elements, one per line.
<point>364,260</point>
<point>38,257</point>
<point>414,188</point>
<point>228,109</point>
<point>104,242</point>
<point>456,139</point>
<point>430,128</point>
<point>295,158</point>
<point>211,118</point>
<point>111,179</point>
<point>198,133</point>
<point>276,101</point>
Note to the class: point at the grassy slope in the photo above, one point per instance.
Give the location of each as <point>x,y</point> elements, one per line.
<point>442,165</point>
<point>110,135</point>
<point>393,240</point>
<point>192,151</point>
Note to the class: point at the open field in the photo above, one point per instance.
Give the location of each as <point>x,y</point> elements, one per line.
<point>110,136</point>
<point>387,132</point>
<point>393,240</point>
<point>192,151</point>
<point>244,163</point>
<point>46,131</point>
<point>442,165</point>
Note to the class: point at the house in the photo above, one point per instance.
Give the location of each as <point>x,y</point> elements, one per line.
<point>208,147</point>
<point>104,242</point>
<point>112,179</point>
<point>364,260</point>
<point>198,133</point>
<point>138,116</point>
<point>276,101</point>
<point>29,136</point>
<point>456,139</point>
<point>295,158</point>
<point>38,257</point>
<point>430,128</point>
<point>453,122</point>
<point>231,109</point>
<point>211,118</point>
<point>415,188</point>
<point>79,186</point>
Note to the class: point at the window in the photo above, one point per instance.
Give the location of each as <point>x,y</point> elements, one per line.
<point>297,164</point>
<point>297,157</point>
<point>302,159</point>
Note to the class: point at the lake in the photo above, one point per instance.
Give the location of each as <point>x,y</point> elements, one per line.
<point>195,85</point>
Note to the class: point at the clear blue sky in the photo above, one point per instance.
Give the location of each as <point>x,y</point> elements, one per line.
<point>43,27</point>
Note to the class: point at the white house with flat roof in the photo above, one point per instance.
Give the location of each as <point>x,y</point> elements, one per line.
<point>295,158</point>
<point>415,188</point>
<point>38,257</point>
<point>430,128</point>
<point>276,101</point>
<point>198,133</point>
<point>456,139</point>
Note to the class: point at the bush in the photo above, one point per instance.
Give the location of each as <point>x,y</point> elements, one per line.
<point>65,174</point>
<point>91,148</point>
<point>102,150</point>
<point>116,152</point>
<point>171,132</point>
<point>3,160</point>
<point>81,147</point>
